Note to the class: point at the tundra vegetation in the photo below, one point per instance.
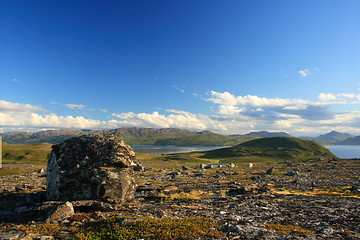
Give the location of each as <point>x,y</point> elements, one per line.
<point>293,187</point>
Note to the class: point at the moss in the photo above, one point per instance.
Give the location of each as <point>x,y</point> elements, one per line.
<point>161,229</point>
<point>49,229</point>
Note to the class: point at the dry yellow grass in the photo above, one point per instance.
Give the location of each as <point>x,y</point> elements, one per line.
<point>192,195</point>
<point>288,229</point>
<point>334,192</point>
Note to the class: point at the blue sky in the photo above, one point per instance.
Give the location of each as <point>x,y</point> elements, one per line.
<point>230,67</point>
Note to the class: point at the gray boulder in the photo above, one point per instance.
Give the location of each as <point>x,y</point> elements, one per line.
<point>91,167</point>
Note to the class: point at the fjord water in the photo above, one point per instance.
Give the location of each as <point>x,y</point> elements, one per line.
<point>345,151</point>
<point>171,149</point>
<point>342,151</point>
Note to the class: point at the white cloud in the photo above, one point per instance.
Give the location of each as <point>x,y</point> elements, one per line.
<point>231,115</point>
<point>103,110</point>
<point>48,120</point>
<point>181,119</point>
<point>228,110</point>
<point>304,73</point>
<point>327,97</point>
<point>180,89</point>
<point>75,106</point>
<point>229,99</point>
<point>6,106</point>
<point>348,95</point>
<point>342,98</point>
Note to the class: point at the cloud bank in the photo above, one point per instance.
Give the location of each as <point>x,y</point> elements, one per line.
<point>10,107</point>
<point>231,114</point>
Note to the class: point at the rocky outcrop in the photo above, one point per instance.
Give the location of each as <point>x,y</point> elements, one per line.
<point>91,167</point>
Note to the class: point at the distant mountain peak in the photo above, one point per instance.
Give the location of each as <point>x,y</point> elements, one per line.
<point>333,137</point>
<point>266,134</point>
<point>334,133</point>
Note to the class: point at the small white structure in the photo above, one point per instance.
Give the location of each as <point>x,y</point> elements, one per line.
<point>249,165</point>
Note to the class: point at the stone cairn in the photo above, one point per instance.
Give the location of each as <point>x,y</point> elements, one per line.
<point>91,167</point>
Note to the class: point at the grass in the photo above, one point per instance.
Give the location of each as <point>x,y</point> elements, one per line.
<point>285,148</point>
<point>149,228</point>
<point>288,229</point>
<point>144,228</point>
<point>49,229</point>
<point>324,191</point>
<point>192,195</point>
<point>11,171</point>
<point>26,154</point>
<point>20,169</point>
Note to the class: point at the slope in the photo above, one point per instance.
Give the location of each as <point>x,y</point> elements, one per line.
<point>276,147</point>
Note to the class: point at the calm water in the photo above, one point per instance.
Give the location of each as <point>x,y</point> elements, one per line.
<point>342,151</point>
<point>170,149</point>
<point>345,151</point>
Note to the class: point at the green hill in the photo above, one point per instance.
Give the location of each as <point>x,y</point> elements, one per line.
<point>275,147</point>
<point>33,153</point>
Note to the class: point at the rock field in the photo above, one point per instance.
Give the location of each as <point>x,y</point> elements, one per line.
<point>317,199</point>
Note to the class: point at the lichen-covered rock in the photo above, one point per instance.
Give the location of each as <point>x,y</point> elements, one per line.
<point>91,167</point>
<point>62,212</point>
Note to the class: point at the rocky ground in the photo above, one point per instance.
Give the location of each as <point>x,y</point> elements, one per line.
<point>317,199</point>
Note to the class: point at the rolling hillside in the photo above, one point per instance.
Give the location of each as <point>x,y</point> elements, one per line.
<point>276,147</point>
<point>32,153</point>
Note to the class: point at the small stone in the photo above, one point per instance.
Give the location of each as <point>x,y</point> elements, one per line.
<point>203,166</point>
<point>47,238</point>
<point>355,189</point>
<point>62,212</point>
<point>270,171</point>
<point>138,167</point>
<point>327,231</point>
<point>292,173</point>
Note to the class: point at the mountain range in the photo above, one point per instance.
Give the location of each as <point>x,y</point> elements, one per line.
<point>170,136</point>
<point>133,136</point>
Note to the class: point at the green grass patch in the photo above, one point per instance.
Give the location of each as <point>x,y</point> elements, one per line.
<point>26,154</point>
<point>285,148</point>
<point>148,228</point>
<point>9,172</point>
<point>20,169</point>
